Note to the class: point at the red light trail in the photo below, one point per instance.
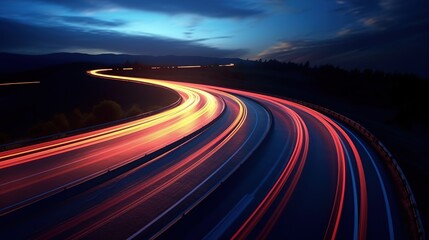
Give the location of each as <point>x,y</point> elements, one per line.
<point>207,138</point>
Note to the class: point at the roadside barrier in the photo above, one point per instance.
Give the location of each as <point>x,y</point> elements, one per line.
<point>404,190</point>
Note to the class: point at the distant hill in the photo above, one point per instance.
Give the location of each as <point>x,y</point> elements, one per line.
<point>10,62</point>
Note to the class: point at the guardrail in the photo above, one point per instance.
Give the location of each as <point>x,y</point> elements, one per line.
<point>404,190</point>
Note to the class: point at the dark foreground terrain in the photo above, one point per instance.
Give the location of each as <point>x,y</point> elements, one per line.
<point>67,99</point>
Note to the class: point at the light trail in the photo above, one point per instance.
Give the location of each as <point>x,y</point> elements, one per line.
<point>175,172</point>
<point>185,66</point>
<point>363,211</point>
<point>132,140</point>
<point>382,184</point>
<point>355,198</point>
<point>19,83</point>
<point>216,132</point>
<point>196,66</point>
<point>299,153</point>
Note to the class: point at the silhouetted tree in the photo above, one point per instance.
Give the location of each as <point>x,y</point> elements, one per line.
<point>133,111</point>
<point>107,111</point>
<point>76,119</point>
<point>61,123</point>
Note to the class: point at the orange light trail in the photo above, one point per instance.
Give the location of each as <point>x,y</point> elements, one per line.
<point>195,66</point>
<point>227,65</point>
<point>140,137</point>
<point>162,180</point>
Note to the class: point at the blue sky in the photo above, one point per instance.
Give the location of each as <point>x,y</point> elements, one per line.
<point>349,33</point>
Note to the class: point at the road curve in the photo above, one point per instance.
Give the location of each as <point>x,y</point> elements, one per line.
<point>224,163</point>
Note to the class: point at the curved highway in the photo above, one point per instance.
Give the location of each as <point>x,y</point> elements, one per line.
<point>221,164</point>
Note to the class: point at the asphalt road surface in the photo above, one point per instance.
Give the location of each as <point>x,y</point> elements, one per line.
<point>221,164</point>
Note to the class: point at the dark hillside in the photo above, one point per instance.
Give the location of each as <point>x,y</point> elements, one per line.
<point>68,99</point>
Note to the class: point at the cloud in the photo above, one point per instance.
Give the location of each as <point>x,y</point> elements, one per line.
<point>192,25</point>
<point>216,9</point>
<point>279,48</point>
<point>23,38</point>
<point>402,48</point>
<point>387,4</point>
<point>209,38</point>
<point>91,21</point>
<point>383,10</point>
<point>343,32</point>
<point>369,21</point>
<point>384,34</point>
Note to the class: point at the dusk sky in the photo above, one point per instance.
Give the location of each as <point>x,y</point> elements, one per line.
<point>383,34</point>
